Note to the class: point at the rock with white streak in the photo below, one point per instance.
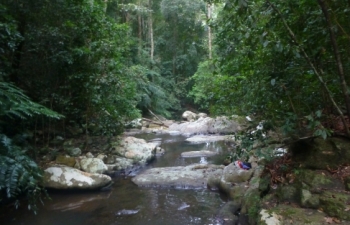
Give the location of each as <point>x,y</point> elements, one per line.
<point>93,165</point>
<point>62,177</point>
<point>135,149</point>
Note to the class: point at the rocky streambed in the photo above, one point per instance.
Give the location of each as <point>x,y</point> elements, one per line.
<point>171,175</point>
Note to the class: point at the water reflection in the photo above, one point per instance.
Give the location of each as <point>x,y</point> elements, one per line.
<point>128,204</point>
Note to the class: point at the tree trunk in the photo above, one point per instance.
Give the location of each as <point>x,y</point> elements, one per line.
<point>337,56</point>
<point>209,31</point>
<point>139,34</point>
<point>105,4</point>
<point>151,30</point>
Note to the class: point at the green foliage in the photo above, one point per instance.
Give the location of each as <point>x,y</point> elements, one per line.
<point>19,174</point>
<point>246,141</point>
<point>261,70</point>
<point>203,79</point>
<point>151,94</point>
<point>13,102</point>
<point>72,58</point>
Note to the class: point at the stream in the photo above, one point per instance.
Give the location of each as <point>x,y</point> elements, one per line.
<point>129,204</point>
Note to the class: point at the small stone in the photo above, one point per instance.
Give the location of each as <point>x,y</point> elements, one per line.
<point>89,155</point>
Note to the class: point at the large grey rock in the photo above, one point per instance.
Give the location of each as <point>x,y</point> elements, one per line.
<point>135,149</point>
<point>220,125</point>
<point>199,126</point>
<point>120,163</point>
<point>188,177</point>
<point>69,178</point>
<point>233,174</point>
<point>93,165</point>
<point>189,116</point>
<point>223,125</point>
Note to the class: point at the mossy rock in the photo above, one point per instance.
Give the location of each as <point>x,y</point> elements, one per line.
<point>251,205</point>
<point>264,183</point>
<point>287,193</point>
<point>308,200</point>
<point>317,179</point>
<point>335,204</point>
<point>63,160</point>
<point>317,153</point>
<point>291,215</point>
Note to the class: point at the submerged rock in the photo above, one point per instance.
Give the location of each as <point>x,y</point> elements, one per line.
<point>181,177</point>
<point>194,154</point>
<point>127,212</point>
<point>69,178</point>
<point>207,139</point>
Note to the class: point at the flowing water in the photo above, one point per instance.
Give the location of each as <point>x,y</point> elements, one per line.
<point>129,204</point>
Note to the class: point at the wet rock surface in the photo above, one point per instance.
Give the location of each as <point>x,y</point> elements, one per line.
<point>182,177</point>
<point>61,177</point>
<point>201,153</point>
<point>211,138</point>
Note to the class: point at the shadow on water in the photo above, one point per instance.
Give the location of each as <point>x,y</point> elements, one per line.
<point>128,204</point>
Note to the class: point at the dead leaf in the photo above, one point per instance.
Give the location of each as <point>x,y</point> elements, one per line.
<point>328,219</point>
<point>336,220</point>
<point>347,209</point>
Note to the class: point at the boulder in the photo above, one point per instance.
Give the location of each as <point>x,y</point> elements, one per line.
<point>233,174</point>
<point>69,178</point>
<point>189,116</point>
<point>220,125</point>
<point>182,177</point>
<point>308,200</point>
<point>211,138</point>
<point>65,160</point>
<point>223,125</point>
<point>135,149</point>
<point>317,153</point>
<point>269,218</point>
<point>72,148</point>
<point>335,204</point>
<point>120,163</point>
<point>202,115</point>
<point>291,214</point>
<point>93,165</point>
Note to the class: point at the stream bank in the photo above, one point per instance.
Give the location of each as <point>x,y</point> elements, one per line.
<point>311,179</point>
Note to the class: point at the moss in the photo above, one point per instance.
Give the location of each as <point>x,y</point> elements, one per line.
<point>287,193</point>
<point>264,184</point>
<point>290,215</point>
<point>251,205</point>
<point>315,179</point>
<point>334,204</point>
<point>67,161</point>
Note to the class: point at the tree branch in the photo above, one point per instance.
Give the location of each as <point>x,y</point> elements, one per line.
<point>309,61</point>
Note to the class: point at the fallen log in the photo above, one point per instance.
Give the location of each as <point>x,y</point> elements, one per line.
<point>155,122</point>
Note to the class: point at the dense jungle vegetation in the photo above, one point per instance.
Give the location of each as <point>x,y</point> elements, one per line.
<point>98,64</point>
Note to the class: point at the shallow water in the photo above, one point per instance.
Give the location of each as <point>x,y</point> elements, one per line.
<point>130,205</point>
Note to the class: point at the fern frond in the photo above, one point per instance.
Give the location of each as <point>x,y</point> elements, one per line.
<point>11,180</point>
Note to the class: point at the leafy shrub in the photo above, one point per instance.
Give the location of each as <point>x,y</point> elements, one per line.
<point>19,174</point>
